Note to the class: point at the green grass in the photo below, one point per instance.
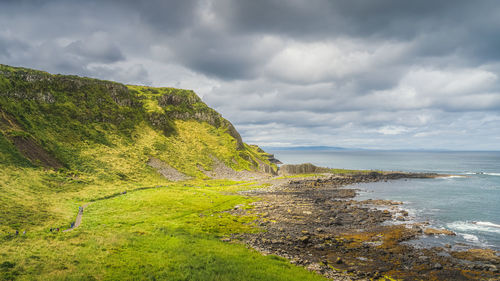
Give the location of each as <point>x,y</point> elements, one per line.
<point>103,134</point>
<point>168,233</point>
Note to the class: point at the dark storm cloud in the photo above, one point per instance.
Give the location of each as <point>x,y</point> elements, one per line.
<point>96,48</point>
<point>353,73</point>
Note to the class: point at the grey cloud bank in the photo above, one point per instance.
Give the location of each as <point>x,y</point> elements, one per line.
<point>373,74</point>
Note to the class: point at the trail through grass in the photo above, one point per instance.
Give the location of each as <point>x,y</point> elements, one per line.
<point>165,233</point>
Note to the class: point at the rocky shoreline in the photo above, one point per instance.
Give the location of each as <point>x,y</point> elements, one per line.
<point>317,224</point>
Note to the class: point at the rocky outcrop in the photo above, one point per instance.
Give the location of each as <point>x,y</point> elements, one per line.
<point>316,224</point>
<point>188,106</point>
<point>269,157</point>
<point>434,231</point>
<point>306,168</point>
<point>38,85</point>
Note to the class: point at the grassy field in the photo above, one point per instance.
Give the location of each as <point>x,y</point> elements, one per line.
<point>165,233</point>
<point>66,141</point>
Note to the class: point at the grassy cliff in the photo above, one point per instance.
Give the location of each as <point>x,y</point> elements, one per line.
<point>65,140</point>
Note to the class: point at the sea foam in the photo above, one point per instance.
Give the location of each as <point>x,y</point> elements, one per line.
<point>470,237</point>
<point>487,223</point>
<point>484,226</point>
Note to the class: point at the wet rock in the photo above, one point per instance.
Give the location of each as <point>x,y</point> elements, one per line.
<point>423,258</point>
<point>434,231</point>
<point>348,233</point>
<point>304,238</point>
<point>437,266</point>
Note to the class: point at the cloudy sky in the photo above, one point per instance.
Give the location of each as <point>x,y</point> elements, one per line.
<point>386,74</point>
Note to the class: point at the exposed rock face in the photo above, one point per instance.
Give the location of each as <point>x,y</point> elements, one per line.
<point>119,93</point>
<point>194,108</point>
<point>273,160</point>
<point>172,99</point>
<point>306,168</point>
<point>165,170</point>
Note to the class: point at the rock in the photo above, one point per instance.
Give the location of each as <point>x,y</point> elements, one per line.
<point>491,267</point>
<point>304,238</point>
<point>478,255</point>
<point>423,258</point>
<point>434,231</point>
<point>437,266</point>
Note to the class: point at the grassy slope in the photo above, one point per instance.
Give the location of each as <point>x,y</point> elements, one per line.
<point>103,134</point>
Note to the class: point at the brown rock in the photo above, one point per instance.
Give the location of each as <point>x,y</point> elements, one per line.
<point>434,231</point>
<point>478,255</point>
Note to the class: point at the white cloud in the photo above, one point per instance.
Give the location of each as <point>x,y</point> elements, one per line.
<point>392,130</point>
<point>313,62</point>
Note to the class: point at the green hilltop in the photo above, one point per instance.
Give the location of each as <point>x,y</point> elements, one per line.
<point>150,165</point>
<point>81,139</point>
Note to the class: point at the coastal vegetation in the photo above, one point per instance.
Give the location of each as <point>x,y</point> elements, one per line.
<point>66,141</point>
<point>105,181</point>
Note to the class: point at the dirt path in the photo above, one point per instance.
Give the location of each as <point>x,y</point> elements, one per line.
<point>78,219</point>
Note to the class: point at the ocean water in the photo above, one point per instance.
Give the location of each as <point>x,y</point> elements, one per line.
<point>468,204</point>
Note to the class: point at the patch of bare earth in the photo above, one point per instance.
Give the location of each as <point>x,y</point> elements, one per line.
<point>35,153</point>
<point>166,170</point>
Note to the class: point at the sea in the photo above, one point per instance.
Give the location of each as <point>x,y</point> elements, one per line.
<point>466,202</point>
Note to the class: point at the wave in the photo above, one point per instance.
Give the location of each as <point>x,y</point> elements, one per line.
<point>467,226</point>
<point>487,223</point>
<point>470,237</point>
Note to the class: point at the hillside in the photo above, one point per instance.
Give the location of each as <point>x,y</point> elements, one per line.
<point>68,139</point>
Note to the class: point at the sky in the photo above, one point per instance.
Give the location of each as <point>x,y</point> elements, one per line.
<point>381,74</point>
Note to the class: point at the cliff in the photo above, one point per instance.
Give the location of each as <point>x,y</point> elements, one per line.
<point>59,121</point>
<point>89,137</point>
